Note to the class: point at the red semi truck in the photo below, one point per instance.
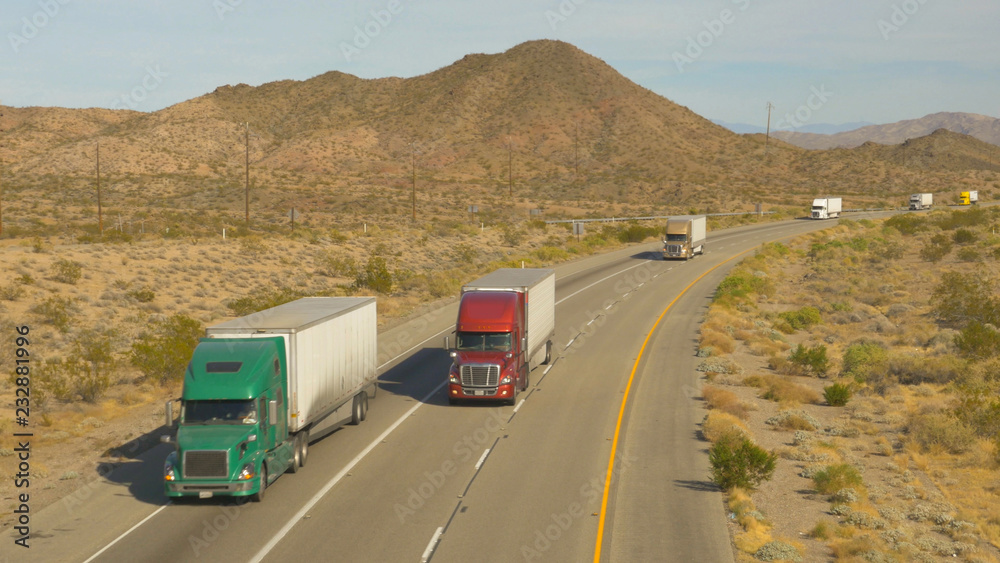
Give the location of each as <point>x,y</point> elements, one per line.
<point>505,326</point>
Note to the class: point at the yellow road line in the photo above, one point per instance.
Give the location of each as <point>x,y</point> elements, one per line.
<point>621,411</point>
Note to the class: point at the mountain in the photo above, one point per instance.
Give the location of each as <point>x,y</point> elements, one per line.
<point>578,134</point>
<point>982,127</point>
<point>822,128</point>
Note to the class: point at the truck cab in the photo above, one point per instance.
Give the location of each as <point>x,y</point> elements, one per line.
<point>488,359</point>
<point>232,433</point>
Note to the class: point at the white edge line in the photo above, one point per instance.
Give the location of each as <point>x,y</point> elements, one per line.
<point>519,403</point>
<point>129,531</point>
<point>546,372</point>
<point>602,280</point>
<point>430,546</point>
<point>482,459</point>
<point>336,478</point>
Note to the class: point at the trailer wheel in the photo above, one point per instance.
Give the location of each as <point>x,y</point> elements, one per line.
<point>356,410</point>
<point>548,352</point>
<point>364,406</point>
<point>527,379</point>
<point>296,454</point>
<point>304,447</point>
<point>259,495</point>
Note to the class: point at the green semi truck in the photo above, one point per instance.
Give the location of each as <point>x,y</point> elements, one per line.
<point>258,388</point>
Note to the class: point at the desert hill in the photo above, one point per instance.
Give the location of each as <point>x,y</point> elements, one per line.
<point>574,129</point>
<point>982,127</point>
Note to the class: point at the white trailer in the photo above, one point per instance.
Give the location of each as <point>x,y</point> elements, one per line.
<point>685,236</point>
<point>331,349</point>
<point>538,286</point>
<point>826,208</point>
<point>921,201</point>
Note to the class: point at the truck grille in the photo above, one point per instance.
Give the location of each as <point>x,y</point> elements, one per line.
<point>480,375</point>
<point>675,249</point>
<point>209,464</point>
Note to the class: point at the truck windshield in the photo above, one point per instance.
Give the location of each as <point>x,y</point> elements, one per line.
<point>676,238</point>
<point>220,412</point>
<point>483,341</point>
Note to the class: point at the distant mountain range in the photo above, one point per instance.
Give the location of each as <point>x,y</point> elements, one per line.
<point>819,128</point>
<point>982,127</point>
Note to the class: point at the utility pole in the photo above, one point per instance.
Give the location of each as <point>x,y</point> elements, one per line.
<point>100,213</point>
<point>510,167</point>
<point>247,169</point>
<point>576,154</point>
<point>413,168</point>
<point>767,136</point>
<point>1,185</point>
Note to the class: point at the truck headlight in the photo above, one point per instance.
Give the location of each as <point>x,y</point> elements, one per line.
<point>246,473</point>
<point>453,374</point>
<point>169,473</point>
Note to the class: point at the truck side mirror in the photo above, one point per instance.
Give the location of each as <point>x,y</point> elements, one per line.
<point>272,411</point>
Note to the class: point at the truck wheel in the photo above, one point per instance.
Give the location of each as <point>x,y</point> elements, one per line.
<point>259,495</point>
<point>296,454</point>
<point>527,379</point>
<point>356,410</point>
<point>304,447</point>
<point>364,406</point>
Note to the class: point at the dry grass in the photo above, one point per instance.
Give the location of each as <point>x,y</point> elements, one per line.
<point>783,390</point>
<point>717,424</point>
<point>725,401</point>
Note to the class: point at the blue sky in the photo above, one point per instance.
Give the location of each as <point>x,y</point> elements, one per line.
<point>822,61</point>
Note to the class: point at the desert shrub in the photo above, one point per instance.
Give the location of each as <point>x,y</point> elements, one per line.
<point>262,298</point>
<point>881,250</point>
<point>738,462</point>
<point>964,236</point>
<point>960,298</point>
<point>375,276</point>
<point>741,283</point>
<point>67,271</point>
<point>12,291</point>
<point>778,551</point>
<point>978,341</point>
<point>57,311</point>
<point>92,364</point>
<point>253,246</point>
<point>142,295</point>
<point>719,342</point>
<point>969,254</point>
<point>636,233</point>
<point>914,370</point>
<point>969,218</point>
<point>837,395</point>
<point>551,254</point>
<point>812,359</point>
<point>510,235</point>
<point>935,251</point>
<point>725,401</point>
<point>836,477</point>
<point>802,318</point>
<point>864,359</point>
<point>940,429</point>
<point>334,266</point>
<point>782,390</point>
<point>162,354</point>
<point>979,399</point>
<point>907,223</point>
<point>718,423</point>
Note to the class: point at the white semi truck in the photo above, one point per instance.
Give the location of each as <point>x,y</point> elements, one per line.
<point>919,202</point>
<point>826,208</point>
